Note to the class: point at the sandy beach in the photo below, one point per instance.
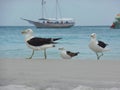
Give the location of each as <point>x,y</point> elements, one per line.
<point>60,74</point>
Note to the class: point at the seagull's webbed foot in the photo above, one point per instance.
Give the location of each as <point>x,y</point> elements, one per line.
<point>31,55</point>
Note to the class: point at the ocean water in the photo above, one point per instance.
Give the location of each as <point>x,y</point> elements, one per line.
<point>75,39</point>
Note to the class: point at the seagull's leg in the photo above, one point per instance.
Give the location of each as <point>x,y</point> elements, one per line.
<point>45,55</point>
<point>101,55</point>
<point>31,55</point>
<point>97,56</point>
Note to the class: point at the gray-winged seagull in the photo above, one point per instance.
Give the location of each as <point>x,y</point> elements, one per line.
<point>97,46</point>
<point>67,54</point>
<point>38,43</point>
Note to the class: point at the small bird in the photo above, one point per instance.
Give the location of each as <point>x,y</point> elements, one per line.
<point>67,54</point>
<point>38,43</point>
<point>97,46</point>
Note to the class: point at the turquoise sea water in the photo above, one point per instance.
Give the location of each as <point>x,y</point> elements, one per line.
<point>74,39</point>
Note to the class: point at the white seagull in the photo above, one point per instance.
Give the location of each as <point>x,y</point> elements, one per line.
<point>67,54</point>
<point>38,43</point>
<point>97,46</point>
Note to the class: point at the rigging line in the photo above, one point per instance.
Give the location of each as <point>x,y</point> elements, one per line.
<point>59,9</point>
<point>45,12</point>
<point>43,8</point>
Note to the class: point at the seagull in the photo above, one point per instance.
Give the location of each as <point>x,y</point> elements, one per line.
<point>97,46</point>
<point>38,43</point>
<point>67,54</point>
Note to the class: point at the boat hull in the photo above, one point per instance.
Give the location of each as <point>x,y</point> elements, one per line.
<point>55,24</point>
<point>116,25</point>
<point>52,25</point>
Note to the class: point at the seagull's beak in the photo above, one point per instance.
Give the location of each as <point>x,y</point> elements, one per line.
<point>91,35</point>
<point>23,32</point>
<point>60,48</point>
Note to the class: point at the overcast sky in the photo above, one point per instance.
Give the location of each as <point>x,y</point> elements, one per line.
<point>85,12</point>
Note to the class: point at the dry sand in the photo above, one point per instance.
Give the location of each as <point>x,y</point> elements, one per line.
<point>60,73</point>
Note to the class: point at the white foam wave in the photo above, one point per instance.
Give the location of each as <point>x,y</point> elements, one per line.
<point>91,88</point>
<point>83,88</point>
<point>80,87</point>
<point>52,89</point>
<point>16,87</point>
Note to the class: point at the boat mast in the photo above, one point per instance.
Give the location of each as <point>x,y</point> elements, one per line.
<point>56,8</point>
<point>58,11</point>
<point>43,2</point>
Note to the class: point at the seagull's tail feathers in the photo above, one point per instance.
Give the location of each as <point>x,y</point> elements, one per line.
<point>55,39</point>
<point>77,53</point>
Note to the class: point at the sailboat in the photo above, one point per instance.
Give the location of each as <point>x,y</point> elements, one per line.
<point>51,22</point>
